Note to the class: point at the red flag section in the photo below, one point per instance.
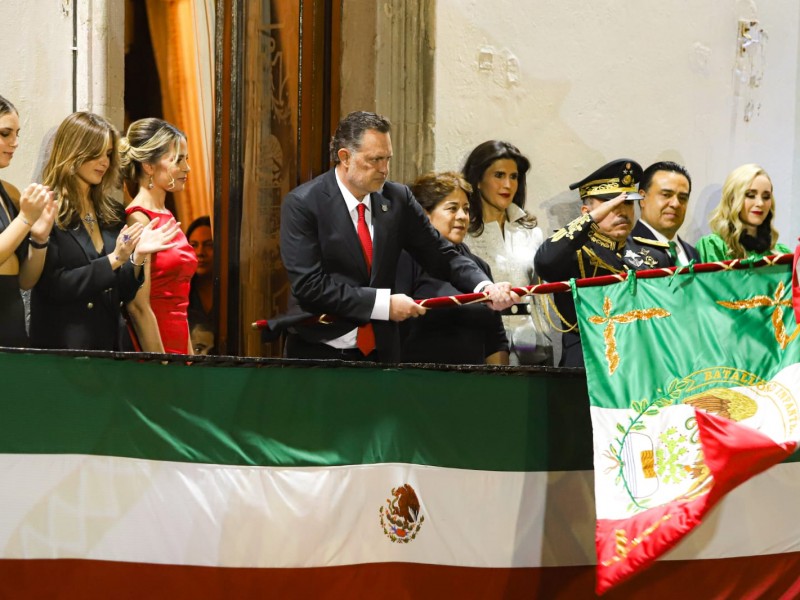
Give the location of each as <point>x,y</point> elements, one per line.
<point>733,453</point>
<point>796,284</point>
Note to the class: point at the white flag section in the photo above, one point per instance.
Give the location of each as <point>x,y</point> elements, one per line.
<point>120,509</point>
<point>663,460</point>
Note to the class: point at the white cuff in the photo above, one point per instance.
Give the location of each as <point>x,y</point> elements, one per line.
<point>481,285</point>
<point>380,312</point>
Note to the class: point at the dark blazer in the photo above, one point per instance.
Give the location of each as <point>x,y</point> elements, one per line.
<point>78,300</point>
<point>326,266</point>
<point>461,335</point>
<point>642,236</point>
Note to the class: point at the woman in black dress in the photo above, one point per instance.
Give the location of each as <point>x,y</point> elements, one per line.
<point>471,334</point>
<point>25,223</point>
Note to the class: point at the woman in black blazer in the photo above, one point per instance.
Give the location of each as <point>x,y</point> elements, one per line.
<point>94,261</point>
<point>472,334</point>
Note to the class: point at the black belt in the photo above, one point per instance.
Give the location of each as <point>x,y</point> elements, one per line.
<point>521,308</point>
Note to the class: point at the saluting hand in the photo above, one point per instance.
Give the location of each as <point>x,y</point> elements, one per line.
<point>603,209</point>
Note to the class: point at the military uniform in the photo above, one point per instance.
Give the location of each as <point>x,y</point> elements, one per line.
<point>581,250</point>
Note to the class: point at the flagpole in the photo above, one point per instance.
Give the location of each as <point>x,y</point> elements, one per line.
<point>547,288</point>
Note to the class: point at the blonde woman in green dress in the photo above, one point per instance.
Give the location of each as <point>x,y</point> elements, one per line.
<point>742,224</point>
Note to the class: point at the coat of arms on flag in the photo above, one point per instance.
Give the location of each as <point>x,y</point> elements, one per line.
<point>694,384</point>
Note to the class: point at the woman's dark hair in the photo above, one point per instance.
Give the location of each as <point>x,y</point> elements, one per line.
<point>6,107</point>
<point>204,221</point>
<point>430,189</point>
<point>478,161</point>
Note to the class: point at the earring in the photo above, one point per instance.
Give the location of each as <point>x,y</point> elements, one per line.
<point>150,183</point>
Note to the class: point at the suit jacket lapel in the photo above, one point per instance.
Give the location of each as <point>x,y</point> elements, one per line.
<point>342,221</point>
<point>81,236</point>
<point>643,231</point>
<point>85,242</point>
<point>691,251</point>
<point>109,240</point>
<point>381,230</point>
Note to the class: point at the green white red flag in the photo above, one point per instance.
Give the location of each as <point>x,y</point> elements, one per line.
<point>694,385</point>
<point>122,479</point>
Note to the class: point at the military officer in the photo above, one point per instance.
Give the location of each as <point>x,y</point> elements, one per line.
<point>594,244</point>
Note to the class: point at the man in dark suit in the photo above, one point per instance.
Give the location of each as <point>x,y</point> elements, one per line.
<point>341,236</point>
<point>665,190</point>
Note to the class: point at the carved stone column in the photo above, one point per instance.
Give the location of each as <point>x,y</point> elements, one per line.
<point>394,78</point>
<point>404,81</point>
<point>100,59</point>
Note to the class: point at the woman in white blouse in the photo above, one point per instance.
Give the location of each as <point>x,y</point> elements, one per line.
<point>503,234</point>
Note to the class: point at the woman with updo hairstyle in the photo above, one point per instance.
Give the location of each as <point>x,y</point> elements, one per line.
<point>471,334</point>
<point>507,237</point>
<point>154,161</point>
<point>742,223</point>
<point>25,223</point>
<point>93,262</point>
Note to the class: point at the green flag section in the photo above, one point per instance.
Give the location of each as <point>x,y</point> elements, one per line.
<point>694,387</point>
<point>290,416</point>
<point>121,479</point>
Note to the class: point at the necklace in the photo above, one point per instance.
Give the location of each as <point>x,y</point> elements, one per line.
<point>90,221</point>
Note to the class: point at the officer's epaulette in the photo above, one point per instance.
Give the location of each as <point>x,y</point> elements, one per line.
<point>649,242</point>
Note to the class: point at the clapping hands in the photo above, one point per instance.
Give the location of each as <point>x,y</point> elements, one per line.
<point>154,239</point>
<point>38,208</point>
<point>127,240</point>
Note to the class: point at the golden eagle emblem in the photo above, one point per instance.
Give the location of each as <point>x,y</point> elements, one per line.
<point>725,402</point>
<point>400,518</point>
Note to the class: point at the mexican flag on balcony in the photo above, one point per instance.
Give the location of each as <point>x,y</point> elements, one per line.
<point>694,385</point>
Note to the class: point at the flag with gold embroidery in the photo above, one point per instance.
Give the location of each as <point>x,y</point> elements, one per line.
<point>694,384</point>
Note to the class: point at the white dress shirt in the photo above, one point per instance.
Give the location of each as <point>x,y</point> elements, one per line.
<point>380,311</point>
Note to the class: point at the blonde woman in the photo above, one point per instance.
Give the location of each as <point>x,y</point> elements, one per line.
<point>25,223</point>
<point>90,268</point>
<point>742,223</point>
<point>154,161</point>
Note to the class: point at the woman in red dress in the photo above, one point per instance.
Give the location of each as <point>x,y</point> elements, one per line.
<point>154,161</point>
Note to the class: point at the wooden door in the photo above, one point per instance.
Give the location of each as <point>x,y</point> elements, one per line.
<point>277,101</point>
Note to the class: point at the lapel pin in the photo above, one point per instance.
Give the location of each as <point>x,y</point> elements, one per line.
<point>384,208</point>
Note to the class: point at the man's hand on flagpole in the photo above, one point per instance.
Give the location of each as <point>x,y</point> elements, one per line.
<point>500,295</point>
<point>402,307</point>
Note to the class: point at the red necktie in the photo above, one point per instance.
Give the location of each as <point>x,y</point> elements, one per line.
<point>365,338</point>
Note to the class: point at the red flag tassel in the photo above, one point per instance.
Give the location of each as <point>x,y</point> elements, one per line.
<point>796,285</point>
